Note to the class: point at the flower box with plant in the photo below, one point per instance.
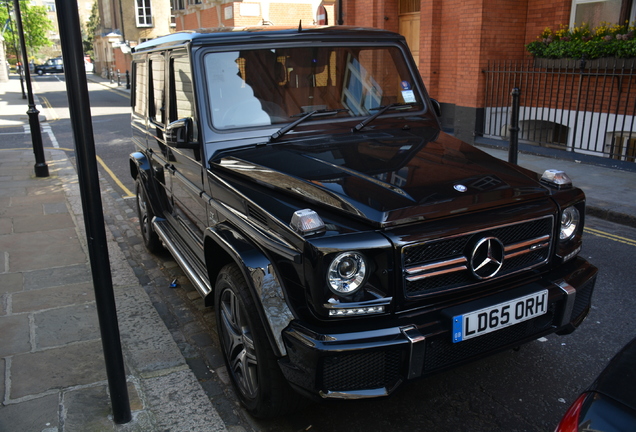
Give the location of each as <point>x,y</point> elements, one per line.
<point>606,40</point>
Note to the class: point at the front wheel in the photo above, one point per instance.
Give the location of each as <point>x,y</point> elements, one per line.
<point>251,363</point>
<point>145,214</point>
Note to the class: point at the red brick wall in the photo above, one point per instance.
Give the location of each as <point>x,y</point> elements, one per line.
<point>285,14</point>
<point>122,62</point>
<point>546,13</point>
<point>190,21</point>
<point>458,37</point>
<point>209,18</point>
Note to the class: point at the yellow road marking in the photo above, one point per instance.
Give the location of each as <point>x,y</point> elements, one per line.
<point>45,102</point>
<point>609,236</point>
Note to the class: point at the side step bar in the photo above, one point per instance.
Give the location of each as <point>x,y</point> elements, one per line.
<point>186,260</point>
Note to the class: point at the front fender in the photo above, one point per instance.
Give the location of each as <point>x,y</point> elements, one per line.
<point>224,245</point>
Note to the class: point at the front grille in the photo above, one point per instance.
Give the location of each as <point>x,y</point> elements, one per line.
<point>583,300</point>
<point>442,352</point>
<point>365,371</point>
<point>443,264</point>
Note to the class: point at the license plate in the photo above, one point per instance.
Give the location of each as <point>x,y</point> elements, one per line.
<point>492,318</point>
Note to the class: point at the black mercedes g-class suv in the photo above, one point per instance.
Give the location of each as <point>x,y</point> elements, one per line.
<point>301,179</point>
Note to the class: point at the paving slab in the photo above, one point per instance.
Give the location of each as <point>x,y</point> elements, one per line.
<point>57,276</point>
<point>68,366</point>
<point>36,223</point>
<point>11,282</point>
<point>53,297</point>
<point>6,225</point>
<point>16,335</point>
<point>37,415</point>
<point>65,325</point>
<point>39,250</point>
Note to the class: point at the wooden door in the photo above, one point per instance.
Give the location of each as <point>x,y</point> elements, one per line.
<point>409,27</point>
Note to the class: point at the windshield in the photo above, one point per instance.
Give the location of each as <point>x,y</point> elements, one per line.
<point>273,86</point>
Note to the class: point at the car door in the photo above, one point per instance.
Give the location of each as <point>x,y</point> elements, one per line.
<point>186,161</point>
<point>160,153</point>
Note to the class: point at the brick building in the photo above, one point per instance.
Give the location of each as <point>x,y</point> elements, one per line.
<point>194,14</point>
<point>123,25</point>
<point>453,40</point>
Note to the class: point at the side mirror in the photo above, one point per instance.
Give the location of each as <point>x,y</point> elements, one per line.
<point>436,107</point>
<point>179,134</point>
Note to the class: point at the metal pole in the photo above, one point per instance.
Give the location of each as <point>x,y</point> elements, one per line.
<point>41,168</point>
<point>514,127</point>
<point>77,90</point>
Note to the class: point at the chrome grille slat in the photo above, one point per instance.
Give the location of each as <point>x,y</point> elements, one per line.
<point>442,264</point>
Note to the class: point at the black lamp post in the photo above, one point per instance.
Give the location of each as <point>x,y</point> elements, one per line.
<point>41,168</point>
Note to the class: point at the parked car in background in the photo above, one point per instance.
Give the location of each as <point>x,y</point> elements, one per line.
<point>53,65</point>
<point>302,180</point>
<point>609,405</point>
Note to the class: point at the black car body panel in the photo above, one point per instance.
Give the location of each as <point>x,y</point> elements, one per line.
<point>372,244</point>
<point>609,404</point>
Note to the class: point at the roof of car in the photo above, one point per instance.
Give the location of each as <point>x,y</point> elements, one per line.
<point>213,36</point>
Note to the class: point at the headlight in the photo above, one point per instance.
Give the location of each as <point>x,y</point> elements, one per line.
<point>570,219</point>
<point>347,273</point>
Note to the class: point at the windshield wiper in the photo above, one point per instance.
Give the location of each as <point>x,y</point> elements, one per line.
<point>382,110</point>
<point>304,116</point>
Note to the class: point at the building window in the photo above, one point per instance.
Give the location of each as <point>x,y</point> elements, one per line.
<point>144,13</point>
<point>595,12</point>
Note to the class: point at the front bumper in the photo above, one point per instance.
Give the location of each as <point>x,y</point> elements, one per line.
<point>374,362</point>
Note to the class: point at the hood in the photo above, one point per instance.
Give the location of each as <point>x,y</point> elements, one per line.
<point>386,179</point>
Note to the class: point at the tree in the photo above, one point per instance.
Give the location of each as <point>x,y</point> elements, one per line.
<point>91,28</point>
<point>35,22</point>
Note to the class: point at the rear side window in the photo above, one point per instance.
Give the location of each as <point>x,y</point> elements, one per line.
<point>158,107</point>
<point>182,91</point>
<point>140,96</point>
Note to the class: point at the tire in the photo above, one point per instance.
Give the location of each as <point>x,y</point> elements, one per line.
<point>250,361</point>
<point>40,72</point>
<point>145,214</point>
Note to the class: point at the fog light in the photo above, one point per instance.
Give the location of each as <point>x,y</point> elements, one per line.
<point>356,311</point>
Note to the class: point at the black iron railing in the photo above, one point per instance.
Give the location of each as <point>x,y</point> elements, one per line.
<point>582,106</point>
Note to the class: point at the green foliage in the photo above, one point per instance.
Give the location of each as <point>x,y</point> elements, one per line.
<point>35,22</point>
<point>581,42</point>
<point>91,28</point>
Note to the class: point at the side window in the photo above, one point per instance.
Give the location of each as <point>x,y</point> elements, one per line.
<point>157,111</point>
<point>182,91</point>
<point>140,97</point>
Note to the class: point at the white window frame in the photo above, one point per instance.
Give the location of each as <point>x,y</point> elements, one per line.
<point>143,13</point>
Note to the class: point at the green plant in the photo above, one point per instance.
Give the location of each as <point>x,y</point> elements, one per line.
<point>606,40</point>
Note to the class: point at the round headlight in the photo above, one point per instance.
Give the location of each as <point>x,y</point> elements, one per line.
<point>569,223</point>
<point>346,273</point>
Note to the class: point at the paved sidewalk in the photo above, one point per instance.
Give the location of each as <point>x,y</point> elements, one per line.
<point>52,375</point>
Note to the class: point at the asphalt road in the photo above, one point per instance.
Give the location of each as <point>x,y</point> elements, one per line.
<point>110,111</point>
<point>525,390</point>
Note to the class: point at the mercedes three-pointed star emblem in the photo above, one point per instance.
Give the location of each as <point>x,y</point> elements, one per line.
<point>487,257</point>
